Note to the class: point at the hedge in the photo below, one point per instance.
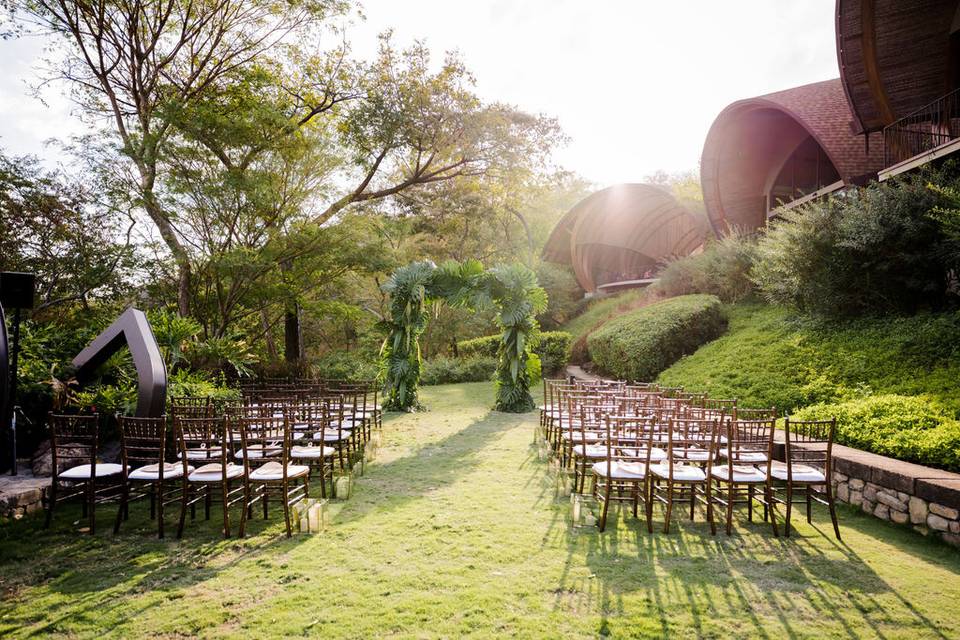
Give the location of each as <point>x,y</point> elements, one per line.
<point>444,370</point>
<point>553,348</point>
<point>642,343</point>
<point>911,428</point>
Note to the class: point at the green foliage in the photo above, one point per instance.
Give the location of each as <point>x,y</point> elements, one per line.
<point>867,250</point>
<point>721,269</point>
<point>351,365</point>
<point>600,310</point>
<point>772,357</point>
<point>641,344</point>
<point>514,289</point>
<point>565,297</point>
<point>912,428</point>
<point>446,370</point>
<point>552,347</point>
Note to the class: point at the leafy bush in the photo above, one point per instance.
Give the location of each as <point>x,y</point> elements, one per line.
<point>872,249</point>
<point>444,370</point>
<point>353,366</point>
<point>564,295</point>
<point>721,269</point>
<point>599,310</point>
<point>911,428</point>
<point>641,344</point>
<point>553,348</point>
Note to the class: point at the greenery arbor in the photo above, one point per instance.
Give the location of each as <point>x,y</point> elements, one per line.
<point>512,288</point>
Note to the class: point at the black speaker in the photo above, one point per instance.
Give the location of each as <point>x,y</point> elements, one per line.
<point>16,289</point>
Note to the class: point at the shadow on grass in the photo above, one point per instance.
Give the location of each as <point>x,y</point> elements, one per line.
<point>693,583</point>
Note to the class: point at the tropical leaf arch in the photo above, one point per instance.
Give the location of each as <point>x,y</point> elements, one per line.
<point>512,289</point>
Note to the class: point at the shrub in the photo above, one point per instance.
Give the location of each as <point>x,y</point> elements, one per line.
<point>553,348</point>
<point>564,295</point>
<point>872,249</point>
<point>641,344</point>
<point>445,370</point>
<point>721,269</point>
<point>911,428</point>
<point>352,366</point>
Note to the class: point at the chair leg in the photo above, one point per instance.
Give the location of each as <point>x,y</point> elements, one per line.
<point>731,492</point>
<point>224,501</point>
<point>831,502</point>
<point>93,505</point>
<point>750,502</point>
<point>768,497</point>
<point>708,489</point>
<point>648,503</point>
<point>160,501</point>
<point>693,500</point>
<point>124,496</point>
<point>606,505</point>
<point>666,517</point>
<point>286,508</point>
<point>51,503</point>
<point>809,501</point>
<point>786,524</point>
<point>184,498</point>
<point>636,498</point>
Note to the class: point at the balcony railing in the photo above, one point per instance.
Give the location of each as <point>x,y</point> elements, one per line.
<point>923,130</point>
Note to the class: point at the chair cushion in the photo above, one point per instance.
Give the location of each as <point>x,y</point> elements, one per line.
<point>745,456</point>
<point>214,473</point>
<point>274,471</point>
<point>620,470</point>
<point>83,472</point>
<point>693,453</point>
<point>590,451</point>
<point>741,473</point>
<point>152,471</point>
<point>801,472</point>
<point>681,472</point>
<point>260,451</point>
<point>201,454</point>
<point>656,453</point>
<point>579,436</point>
<point>312,452</point>
<point>332,436</point>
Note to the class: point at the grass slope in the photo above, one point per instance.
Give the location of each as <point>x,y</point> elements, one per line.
<point>454,532</point>
<point>771,357</point>
<point>600,310</point>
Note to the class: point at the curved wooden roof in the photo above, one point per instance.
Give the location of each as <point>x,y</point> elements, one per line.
<point>627,228</point>
<point>894,56</point>
<point>751,139</point>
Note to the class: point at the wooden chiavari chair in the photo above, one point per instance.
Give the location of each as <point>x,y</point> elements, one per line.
<point>74,442</point>
<point>308,421</point>
<point>146,472</point>
<point>747,455</point>
<point>268,470</point>
<point>191,407</point>
<point>809,464</point>
<point>691,449</point>
<point>206,449</point>
<point>624,473</point>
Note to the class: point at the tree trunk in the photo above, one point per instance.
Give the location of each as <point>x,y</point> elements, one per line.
<point>292,342</point>
<point>169,236</point>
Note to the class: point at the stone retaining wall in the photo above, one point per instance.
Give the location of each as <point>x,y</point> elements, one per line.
<point>908,494</point>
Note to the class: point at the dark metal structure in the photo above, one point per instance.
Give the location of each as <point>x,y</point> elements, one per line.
<point>131,329</point>
<point>622,234</point>
<point>5,407</point>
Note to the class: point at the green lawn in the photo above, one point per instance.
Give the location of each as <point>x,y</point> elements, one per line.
<point>454,532</point>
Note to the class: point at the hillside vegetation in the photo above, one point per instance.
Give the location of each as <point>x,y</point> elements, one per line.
<point>640,344</point>
<point>892,382</point>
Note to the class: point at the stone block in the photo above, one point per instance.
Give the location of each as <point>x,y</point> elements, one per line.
<point>955,527</point>
<point>951,539</point>
<point>843,492</point>
<point>857,484</point>
<point>891,501</point>
<point>867,505</point>
<point>882,511</point>
<point>839,477</point>
<point>904,497</point>
<point>942,490</point>
<point>856,497</point>
<point>938,523</point>
<point>900,517</point>
<point>918,510</point>
<point>947,512</point>
<point>870,492</point>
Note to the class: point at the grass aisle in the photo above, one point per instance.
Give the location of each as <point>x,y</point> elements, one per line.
<point>453,531</point>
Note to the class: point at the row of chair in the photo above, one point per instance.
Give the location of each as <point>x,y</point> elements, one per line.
<point>268,447</point>
<point>647,445</point>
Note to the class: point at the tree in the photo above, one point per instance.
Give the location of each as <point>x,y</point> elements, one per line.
<point>140,62</point>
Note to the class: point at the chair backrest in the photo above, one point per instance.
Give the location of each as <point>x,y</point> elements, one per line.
<point>264,439</point>
<point>809,442</point>
<point>203,440</point>
<point>741,413</point>
<point>687,438</point>
<point>629,439</point>
<point>191,407</point>
<point>143,441</point>
<point>749,439</point>
<point>74,440</point>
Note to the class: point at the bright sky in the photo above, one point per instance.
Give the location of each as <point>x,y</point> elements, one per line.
<point>635,84</point>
